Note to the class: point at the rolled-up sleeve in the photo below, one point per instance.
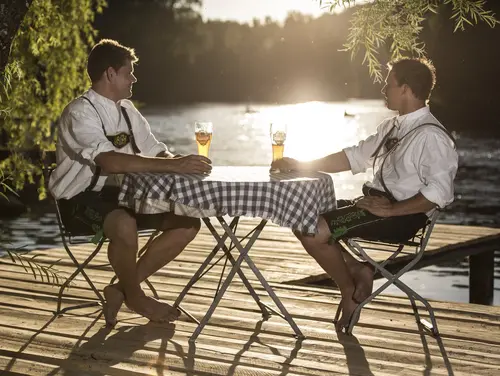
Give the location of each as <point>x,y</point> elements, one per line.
<point>437,164</point>
<point>360,155</point>
<point>146,141</point>
<point>84,135</point>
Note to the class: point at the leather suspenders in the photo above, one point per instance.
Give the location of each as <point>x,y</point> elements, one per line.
<point>135,148</point>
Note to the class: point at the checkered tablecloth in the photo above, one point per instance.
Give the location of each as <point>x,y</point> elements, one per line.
<point>292,200</point>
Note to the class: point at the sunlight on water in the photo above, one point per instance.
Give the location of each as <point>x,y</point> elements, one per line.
<point>315,129</point>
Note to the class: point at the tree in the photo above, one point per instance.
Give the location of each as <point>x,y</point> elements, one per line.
<point>44,71</point>
<point>162,32</point>
<point>11,14</point>
<point>398,23</point>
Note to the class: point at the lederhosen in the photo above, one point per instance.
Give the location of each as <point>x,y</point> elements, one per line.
<point>86,211</point>
<point>349,221</point>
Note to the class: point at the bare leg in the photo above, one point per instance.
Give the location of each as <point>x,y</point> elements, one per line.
<point>178,232</point>
<point>362,273</point>
<point>329,257</point>
<point>120,227</point>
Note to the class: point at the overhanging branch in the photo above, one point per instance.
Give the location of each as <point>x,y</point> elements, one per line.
<point>12,13</point>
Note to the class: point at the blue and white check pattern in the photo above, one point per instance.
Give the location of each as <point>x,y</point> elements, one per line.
<point>293,200</point>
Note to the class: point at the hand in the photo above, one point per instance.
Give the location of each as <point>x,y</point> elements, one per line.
<point>286,164</point>
<point>377,205</point>
<point>192,164</point>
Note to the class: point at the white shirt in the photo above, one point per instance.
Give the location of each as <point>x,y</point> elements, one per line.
<point>81,139</point>
<point>425,161</point>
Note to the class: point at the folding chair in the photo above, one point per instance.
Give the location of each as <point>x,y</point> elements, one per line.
<point>361,248</point>
<point>70,237</point>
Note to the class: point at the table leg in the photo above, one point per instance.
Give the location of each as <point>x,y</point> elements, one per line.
<point>244,252</point>
<point>265,309</point>
<point>201,269</point>
<point>234,269</point>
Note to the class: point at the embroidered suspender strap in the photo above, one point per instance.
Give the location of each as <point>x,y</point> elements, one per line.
<point>132,138</point>
<point>375,154</point>
<point>387,191</point>
<point>399,141</point>
<point>100,118</point>
<point>97,170</point>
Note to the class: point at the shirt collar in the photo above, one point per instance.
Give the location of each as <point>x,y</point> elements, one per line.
<point>94,96</point>
<point>403,120</point>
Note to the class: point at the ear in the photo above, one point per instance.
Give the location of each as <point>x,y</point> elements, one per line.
<point>110,73</point>
<point>407,90</point>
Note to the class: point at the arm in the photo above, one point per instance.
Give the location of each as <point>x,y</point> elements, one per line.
<point>356,158</point>
<point>83,135</point>
<point>382,207</point>
<point>332,163</point>
<point>166,154</point>
<point>437,163</point>
<point>120,163</point>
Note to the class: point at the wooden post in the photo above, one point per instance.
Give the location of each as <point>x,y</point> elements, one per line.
<point>481,282</point>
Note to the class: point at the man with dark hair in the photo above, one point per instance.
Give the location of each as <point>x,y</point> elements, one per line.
<point>100,136</point>
<point>414,162</point>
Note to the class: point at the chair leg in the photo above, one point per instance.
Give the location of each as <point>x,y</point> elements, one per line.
<point>412,295</point>
<point>152,288</point>
<point>79,270</point>
<point>391,279</point>
<point>337,314</point>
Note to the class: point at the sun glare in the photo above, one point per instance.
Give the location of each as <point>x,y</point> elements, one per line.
<point>314,129</point>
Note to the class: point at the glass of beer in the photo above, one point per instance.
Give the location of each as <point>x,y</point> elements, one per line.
<point>277,131</point>
<point>203,132</point>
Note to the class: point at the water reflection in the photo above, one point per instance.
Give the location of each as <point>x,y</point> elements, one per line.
<point>30,231</point>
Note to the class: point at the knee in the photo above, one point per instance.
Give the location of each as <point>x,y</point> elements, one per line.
<point>314,243</point>
<point>121,229</point>
<point>192,227</point>
<point>186,228</point>
<point>195,224</point>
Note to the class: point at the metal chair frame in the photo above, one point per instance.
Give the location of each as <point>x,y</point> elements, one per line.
<point>69,239</point>
<point>361,248</point>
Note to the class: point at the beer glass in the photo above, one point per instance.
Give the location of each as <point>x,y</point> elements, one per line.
<point>203,132</point>
<point>277,131</point>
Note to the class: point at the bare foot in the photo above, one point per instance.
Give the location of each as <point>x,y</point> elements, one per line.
<point>363,280</point>
<point>348,307</point>
<point>152,309</point>
<point>114,300</point>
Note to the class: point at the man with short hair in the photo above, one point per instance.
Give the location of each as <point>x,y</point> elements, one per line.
<point>414,161</point>
<point>100,136</point>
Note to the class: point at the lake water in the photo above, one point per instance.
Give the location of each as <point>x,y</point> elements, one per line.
<point>241,137</point>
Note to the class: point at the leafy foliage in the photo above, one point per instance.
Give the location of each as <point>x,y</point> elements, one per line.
<point>399,23</point>
<point>45,71</point>
<point>30,264</point>
<point>4,187</point>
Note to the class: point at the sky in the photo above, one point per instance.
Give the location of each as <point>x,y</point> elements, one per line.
<point>247,10</point>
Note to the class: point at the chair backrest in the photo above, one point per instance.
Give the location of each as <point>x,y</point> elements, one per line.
<point>72,235</point>
<point>427,230</point>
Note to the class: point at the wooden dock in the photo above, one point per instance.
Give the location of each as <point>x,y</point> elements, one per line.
<point>236,341</point>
